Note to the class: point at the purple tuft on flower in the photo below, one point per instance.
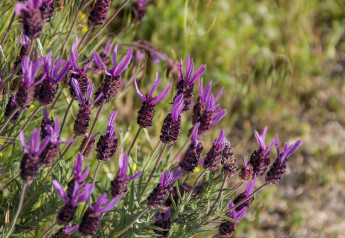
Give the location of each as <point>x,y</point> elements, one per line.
<point>107,144</point>
<point>278,168</point>
<point>66,231</point>
<point>214,155</point>
<point>120,182</point>
<point>111,83</point>
<point>187,80</point>
<point>227,228</point>
<point>244,195</point>
<point>147,110</point>
<point>246,171</point>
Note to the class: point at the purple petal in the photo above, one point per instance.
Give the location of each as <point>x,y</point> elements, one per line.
<point>114,56</point>
<point>164,178</point>
<point>63,71</point>
<point>162,95</point>
<point>219,95</point>
<point>231,213</point>
<point>101,200</point>
<point>60,190</point>
<point>294,147</point>
<point>74,54</point>
<point>276,142</point>
<point>140,95</point>
<point>200,86</point>
<point>83,176</point>
<point>175,175</point>
<point>70,230</point>
<point>260,142</point>
<point>34,3</point>
<point>244,162</point>
<point>19,8</point>
<point>197,74</point>
<point>154,85</point>
<point>98,60</point>
<point>137,175</point>
<point>86,194</point>
<point>97,98</point>
<point>219,116</point>
<point>45,114</point>
<point>77,90</point>
<point>167,215</point>
<point>177,106</point>
<point>180,66</point>
<point>111,125</point>
<point>110,205</point>
<point>75,193</point>
<point>124,164</point>
<point>206,93</point>
<point>23,142</point>
<point>123,64</point>
<point>78,165</point>
<point>43,145</point>
<point>220,140</point>
<point>195,133</point>
<point>269,148</point>
<point>240,213</point>
<point>250,186</point>
<point>89,91</point>
<point>34,141</point>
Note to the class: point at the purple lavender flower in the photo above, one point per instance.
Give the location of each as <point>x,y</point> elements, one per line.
<point>50,67</point>
<point>47,10</point>
<point>52,150</point>
<point>120,182</point>
<point>260,158</point>
<point>278,168</point>
<point>229,161</point>
<point>111,83</point>
<point>31,16</point>
<point>92,217</point>
<point>139,9</point>
<point>244,195</point>
<point>78,73</point>
<point>214,155</point>
<point>106,52</point>
<point>99,12</point>
<point>66,231</point>
<point>172,122</point>
<point>84,116</point>
<point>147,110</point>
<point>207,111</point>
<point>90,145</point>
<point>190,159</point>
<point>23,48</point>
<point>66,213</point>
<point>107,144</point>
<point>186,83</point>
<point>30,162</point>
<point>227,228</point>
<point>163,222</point>
<point>79,176</point>
<point>46,121</point>
<point>160,192</point>
<point>246,171</point>
<point>26,90</point>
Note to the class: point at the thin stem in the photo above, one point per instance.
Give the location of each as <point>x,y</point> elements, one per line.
<point>154,169</point>
<point>19,208</point>
<point>184,146</point>
<point>49,231</point>
<point>135,138</point>
<point>29,120</point>
<point>131,223</point>
<point>153,154</point>
<point>92,128</point>
<point>195,183</point>
<point>96,172</point>
<point>71,29</point>
<point>55,101</point>
<point>9,135</point>
<point>7,30</point>
<point>85,36</point>
<point>65,116</point>
<point>106,23</point>
<point>220,193</point>
<point>8,120</point>
<point>235,188</point>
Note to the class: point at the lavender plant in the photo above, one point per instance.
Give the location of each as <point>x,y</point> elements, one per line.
<point>151,196</point>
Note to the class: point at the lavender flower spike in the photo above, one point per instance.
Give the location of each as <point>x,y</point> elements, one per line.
<point>92,217</point>
<point>147,110</point>
<point>246,171</point>
<point>214,156</point>
<point>186,83</point>
<point>177,107</point>
<point>227,228</point>
<point>163,221</point>
<point>66,213</point>
<point>244,195</point>
<point>31,16</point>
<point>120,182</point>
<point>79,175</point>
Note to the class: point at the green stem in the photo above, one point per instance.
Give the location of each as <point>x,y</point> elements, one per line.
<point>135,138</point>
<point>55,101</point>
<point>195,183</point>
<point>184,146</point>
<point>220,193</point>
<point>85,36</point>
<point>153,154</point>
<point>49,231</point>
<point>131,223</point>
<point>19,208</point>
<point>8,120</point>
<point>7,30</point>
<point>65,116</point>
<point>96,172</point>
<point>29,120</point>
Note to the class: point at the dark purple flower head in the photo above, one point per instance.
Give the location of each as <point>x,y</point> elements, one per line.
<point>112,126</point>
<point>22,7</point>
<point>250,186</point>
<point>89,91</point>
<point>117,68</point>
<point>79,176</point>
<point>54,133</point>
<point>168,178</point>
<point>149,97</point>
<point>236,215</point>
<point>163,216</point>
<point>51,67</point>
<point>189,77</point>
<point>30,70</point>
<point>261,141</point>
<point>288,150</point>
<point>76,198</point>
<point>96,207</point>
<point>123,165</point>
<point>34,149</point>
<point>177,107</point>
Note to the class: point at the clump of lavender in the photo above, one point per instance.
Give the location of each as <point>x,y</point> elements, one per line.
<point>90,145</point>
<point>229,161</point>
<point>160,192</point>
<point>66,231</point>
<point>207,111</point>
<point>278,168</point>
<point>111,83</point>
<point>244,196</point>
<point>163,222</point>
<point>47,10</point>
<point>120,182</point>
<point>99,12</point>
<point>185,85</point>
<point>26,91</point>
<point>31,16</point>
<point>147,109</point>
<point>172,122</point>
<point>246,172</point>
<point>190,159</point>
<point>48,88</point>
<point>260,158</point>
<point>107,144</point>
<point>10,107</point>
<point>214,155</point>
<point>81,124</point>
<point>92,217</point>
<point>30,162</point>
<point>227,228</point>
<point>79,176</point>
<point>52,150</point>
<point>67,212</point>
